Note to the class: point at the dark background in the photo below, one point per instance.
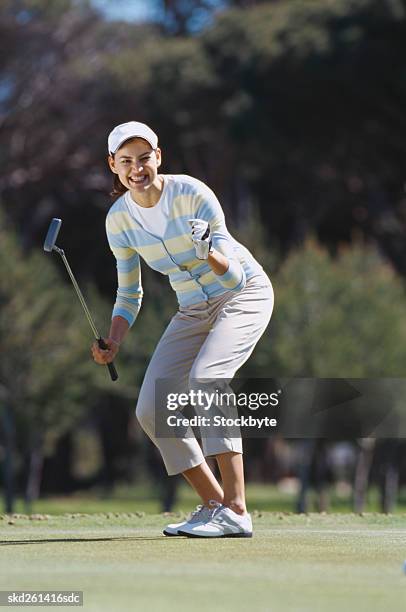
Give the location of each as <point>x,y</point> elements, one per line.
<point>292,111</point>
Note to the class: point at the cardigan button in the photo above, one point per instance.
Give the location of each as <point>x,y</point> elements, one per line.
<point>183,268</point>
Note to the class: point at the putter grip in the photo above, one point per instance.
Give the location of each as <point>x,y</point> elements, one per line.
<point>111,366</point>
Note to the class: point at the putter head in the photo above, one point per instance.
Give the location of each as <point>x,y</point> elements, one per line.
<point>52,234</point>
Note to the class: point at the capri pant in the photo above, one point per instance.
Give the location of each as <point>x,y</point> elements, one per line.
<point>212,340</point>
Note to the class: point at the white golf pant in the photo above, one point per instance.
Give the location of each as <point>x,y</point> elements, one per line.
<point>212,340</point>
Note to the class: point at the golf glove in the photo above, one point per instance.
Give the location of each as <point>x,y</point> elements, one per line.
<point>201,238</point>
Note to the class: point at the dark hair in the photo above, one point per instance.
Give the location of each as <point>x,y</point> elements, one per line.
<point>118,188</point>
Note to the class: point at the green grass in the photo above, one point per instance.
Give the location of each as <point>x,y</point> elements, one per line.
<point>144,498</point>
<point>294,563</point>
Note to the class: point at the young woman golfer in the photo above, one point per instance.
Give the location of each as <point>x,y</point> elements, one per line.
<point>176,224</point>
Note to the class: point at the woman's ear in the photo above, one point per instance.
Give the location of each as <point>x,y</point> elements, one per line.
<point>158,157</point>
<point>111,163</point>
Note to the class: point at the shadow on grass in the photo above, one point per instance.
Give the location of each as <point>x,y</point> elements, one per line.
<point>74,540</point>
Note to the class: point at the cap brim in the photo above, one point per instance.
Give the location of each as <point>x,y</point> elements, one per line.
<point>120,144</point>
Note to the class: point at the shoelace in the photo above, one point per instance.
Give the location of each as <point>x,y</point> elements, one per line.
<point>214,506</point>
<point>204,513</point>
<point>199,514</point>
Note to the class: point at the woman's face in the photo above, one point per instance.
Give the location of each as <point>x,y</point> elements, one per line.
<point>136,164</point>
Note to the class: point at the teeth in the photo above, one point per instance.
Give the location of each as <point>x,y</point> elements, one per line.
<point>138,179</point>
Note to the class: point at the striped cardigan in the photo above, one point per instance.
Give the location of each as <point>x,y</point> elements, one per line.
<point>174,255</point>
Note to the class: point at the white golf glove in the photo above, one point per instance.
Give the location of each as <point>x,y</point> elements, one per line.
<point>201,237</point>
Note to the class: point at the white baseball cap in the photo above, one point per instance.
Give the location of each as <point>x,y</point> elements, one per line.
<point>131,129</point>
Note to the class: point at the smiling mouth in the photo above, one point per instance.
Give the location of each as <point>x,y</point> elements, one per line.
<point>139,180</point>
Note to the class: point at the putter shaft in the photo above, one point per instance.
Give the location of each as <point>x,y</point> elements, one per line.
<point>49,246</point>
<point>78,291</point>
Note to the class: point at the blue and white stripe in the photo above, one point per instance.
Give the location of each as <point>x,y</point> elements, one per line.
<point>174,254</point>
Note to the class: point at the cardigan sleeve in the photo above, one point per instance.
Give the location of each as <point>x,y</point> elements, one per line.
<point>129,290</point>
<point>209,209</point>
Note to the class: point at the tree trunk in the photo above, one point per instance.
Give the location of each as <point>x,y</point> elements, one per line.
<point>8,467</point>
<point>36,461</point>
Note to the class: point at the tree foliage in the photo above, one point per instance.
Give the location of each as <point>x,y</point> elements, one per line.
<point>46,375</point>
<point>333,318</point>
<point>297,107</point>
<point>293,109</point>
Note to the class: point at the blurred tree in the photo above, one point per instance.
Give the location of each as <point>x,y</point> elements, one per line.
<point>249,3</point>
<point>46,375</point>
<point>184,16</point>
<point>341,317</point>
<point>311,100</point>
<point>53,112</point>
<point>293,107</point>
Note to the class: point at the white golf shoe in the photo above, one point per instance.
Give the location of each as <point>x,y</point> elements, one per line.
<point>200,515</point>
<point>222,522</point>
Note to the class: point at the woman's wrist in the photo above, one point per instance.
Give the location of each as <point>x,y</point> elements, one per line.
<point>218,262</point>
<point>118,330</point>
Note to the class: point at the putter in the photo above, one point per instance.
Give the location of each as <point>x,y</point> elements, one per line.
<point>49,246</point>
